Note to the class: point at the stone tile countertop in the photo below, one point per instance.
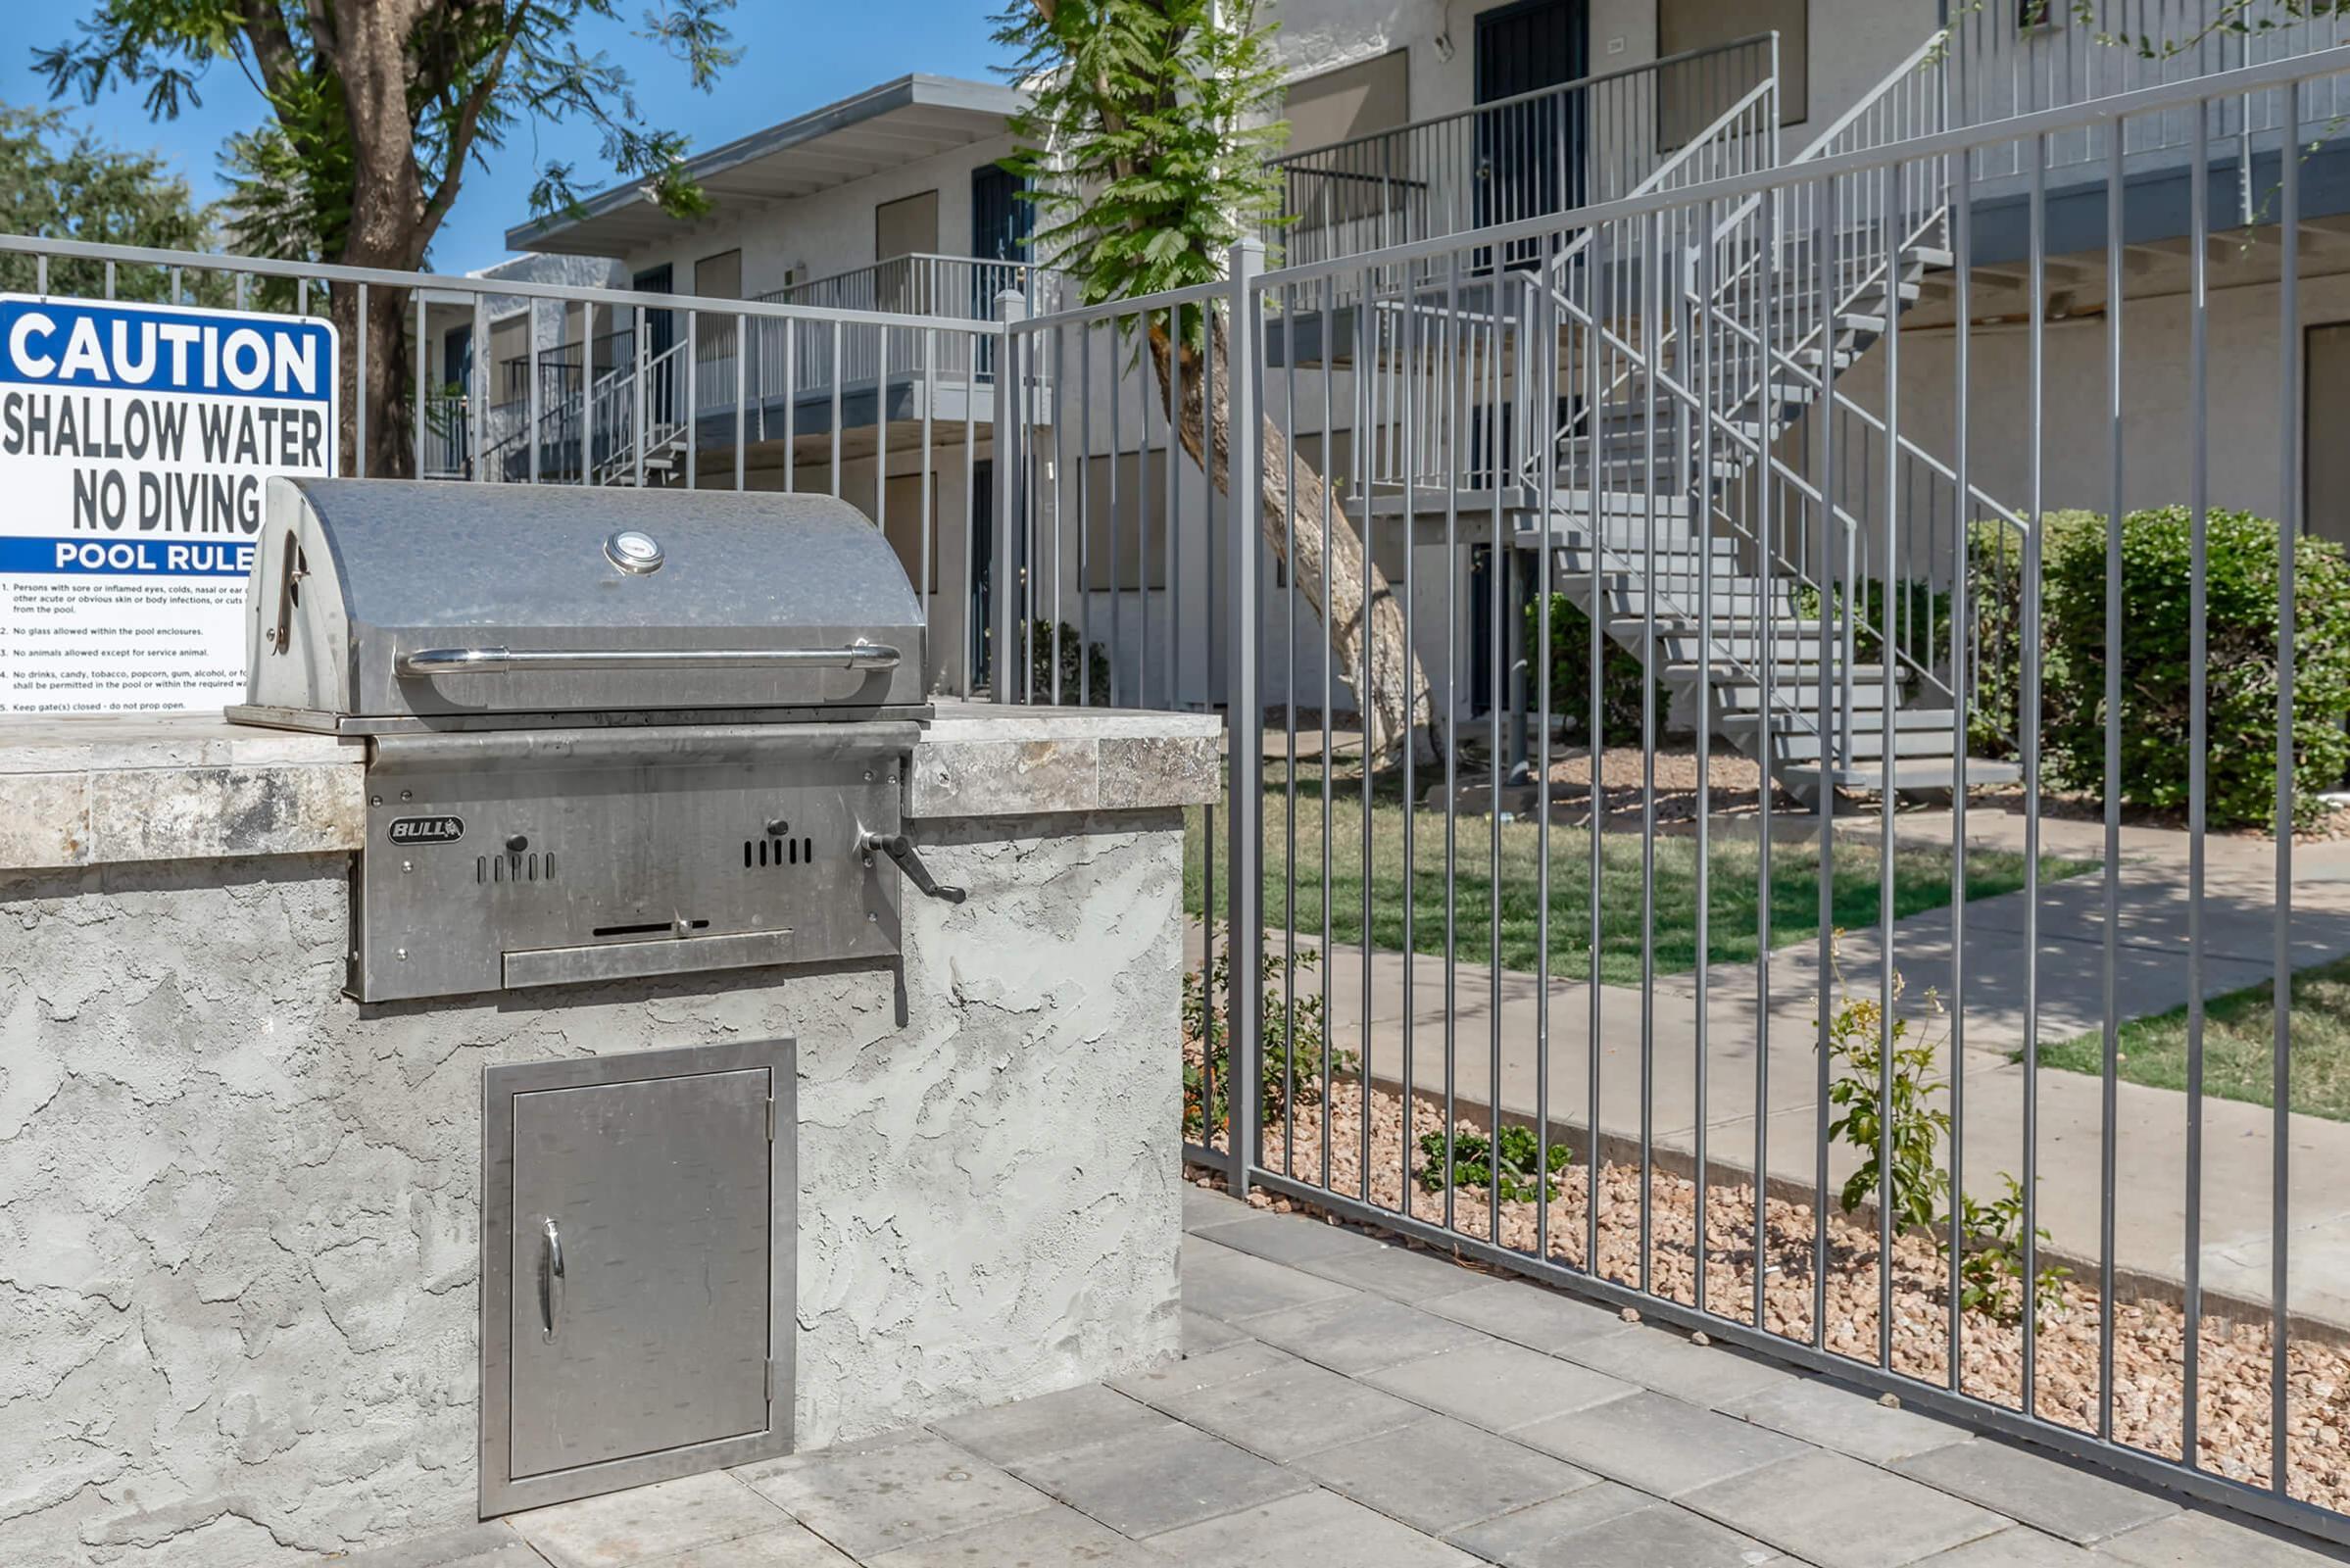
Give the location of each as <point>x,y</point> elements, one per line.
<point>100,789</point>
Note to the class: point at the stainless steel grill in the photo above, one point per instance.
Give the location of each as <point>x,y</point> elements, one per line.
<point>610,733</point>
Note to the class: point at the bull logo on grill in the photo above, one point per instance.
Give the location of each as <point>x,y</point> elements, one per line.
<point>442,829</point>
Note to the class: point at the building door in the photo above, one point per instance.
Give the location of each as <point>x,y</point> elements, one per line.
<point>1001,223</point>
<point>1002,227</point>
<point>1530,151</point>
<point>2325,493</point>
<point>664,401</point>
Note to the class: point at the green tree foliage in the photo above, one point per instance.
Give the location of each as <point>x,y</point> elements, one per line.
<point>1145,136</point>
<point>62,183</point>
<point>1144,146</point>
<point>377,112</point>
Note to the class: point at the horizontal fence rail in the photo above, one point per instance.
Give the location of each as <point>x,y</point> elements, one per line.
<point>887,399</point>
<point>1694,666</point>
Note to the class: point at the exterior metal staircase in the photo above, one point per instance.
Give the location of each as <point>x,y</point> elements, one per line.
<point>602,427</point>
<point>1686,414</point>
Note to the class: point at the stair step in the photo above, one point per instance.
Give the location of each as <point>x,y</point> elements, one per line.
<point>1802,741</point>
<point>1796,716</point>
<point>1679,646</point>
<point>1677,547</point>
<point>1795,684</point>
<point>1934,774</point>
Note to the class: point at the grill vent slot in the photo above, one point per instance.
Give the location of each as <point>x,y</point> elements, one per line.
<point>772,854</point>
<point>515,867</point>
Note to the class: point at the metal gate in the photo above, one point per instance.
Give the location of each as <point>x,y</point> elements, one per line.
<point>1764,957</point>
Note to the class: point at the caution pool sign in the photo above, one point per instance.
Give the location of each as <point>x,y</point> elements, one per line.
<point>135,444</point>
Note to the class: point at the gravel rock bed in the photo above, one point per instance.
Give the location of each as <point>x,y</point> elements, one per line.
<point>2232,1439</point>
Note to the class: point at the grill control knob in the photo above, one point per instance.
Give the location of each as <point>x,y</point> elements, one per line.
<point>632,550</point>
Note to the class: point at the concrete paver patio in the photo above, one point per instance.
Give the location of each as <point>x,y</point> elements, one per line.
<point>1346,1402</point>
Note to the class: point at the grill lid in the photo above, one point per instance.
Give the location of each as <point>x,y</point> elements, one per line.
<point>375,600</point>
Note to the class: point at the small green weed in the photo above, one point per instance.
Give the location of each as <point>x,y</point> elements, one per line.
<point>1474,1159</point>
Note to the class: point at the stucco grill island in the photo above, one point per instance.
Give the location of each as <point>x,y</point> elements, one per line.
<point>598,1021</point>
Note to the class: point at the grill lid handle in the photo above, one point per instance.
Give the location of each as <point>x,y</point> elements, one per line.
<point>422,663</point>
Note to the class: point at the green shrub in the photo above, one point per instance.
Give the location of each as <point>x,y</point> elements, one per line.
<point>2239,666</point>
<point>1923,627</point>
<point>1289,1054</point>
<point>1571,674</point>
<point>1995,611</point>
<point>1095,691</point>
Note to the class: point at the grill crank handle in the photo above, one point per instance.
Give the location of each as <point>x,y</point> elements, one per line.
<point>899,848</point>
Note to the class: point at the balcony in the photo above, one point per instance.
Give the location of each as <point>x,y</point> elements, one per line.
<point>714,379</point>
<point>1674,121</point>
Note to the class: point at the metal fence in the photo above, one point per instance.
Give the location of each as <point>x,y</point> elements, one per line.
<point>892,409</point>
<point>1581,622</point>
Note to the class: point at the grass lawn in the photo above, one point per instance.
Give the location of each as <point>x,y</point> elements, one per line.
<point>2238,1036</point>
<point>1921,882</point>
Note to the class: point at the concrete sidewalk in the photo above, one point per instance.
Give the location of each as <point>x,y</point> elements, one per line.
<point>1493,1013</point>
<point>1344,1402</point>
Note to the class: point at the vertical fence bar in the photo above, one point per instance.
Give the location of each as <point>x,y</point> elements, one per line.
<point>2288,537</point>
<point>359,387</point>
<point>2028,713</point>
<point>1245,815</point>
<point>1653,267</point>
<point>2198,741</point>
<point>2109,1069</point>
<point>742,398</point>
<point>1767,616</point>
<point>532,434</point>
<point>1823,244</point>
<point>1544,300</point>
<point>423,354</point>
<point>587,392</point>
<point>1012,405</point>
<point>1329,651</point>
<point>1701,501</point>
<point>1888,654</point>
<point>1407,325</point>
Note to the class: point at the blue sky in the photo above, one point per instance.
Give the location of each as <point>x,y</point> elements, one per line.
<point>796,55</point>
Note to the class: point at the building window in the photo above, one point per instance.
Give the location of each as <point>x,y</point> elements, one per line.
<point>719,276</point>
<point>1694,96</point>
<point>906,226</point>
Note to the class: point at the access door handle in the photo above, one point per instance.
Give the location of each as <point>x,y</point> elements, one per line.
<point>551,1280</point>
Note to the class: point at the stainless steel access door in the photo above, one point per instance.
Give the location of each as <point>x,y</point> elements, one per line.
<point>637,1265</point>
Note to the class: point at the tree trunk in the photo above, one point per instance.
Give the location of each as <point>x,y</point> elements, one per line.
<point>389,228</point>
<point>1333,572</point>
<point>389,394</point>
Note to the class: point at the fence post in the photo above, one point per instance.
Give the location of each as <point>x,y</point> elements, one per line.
<point>1245,722</point>
<point>1011,409</point>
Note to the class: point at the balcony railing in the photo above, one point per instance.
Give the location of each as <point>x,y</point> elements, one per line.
<point>1532,156</point>
<point>2024,55</point>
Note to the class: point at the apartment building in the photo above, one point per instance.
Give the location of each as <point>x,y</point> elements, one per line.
<point>1418,118</point>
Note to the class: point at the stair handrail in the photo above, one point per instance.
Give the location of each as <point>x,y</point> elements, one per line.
<point>1764,92</point>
